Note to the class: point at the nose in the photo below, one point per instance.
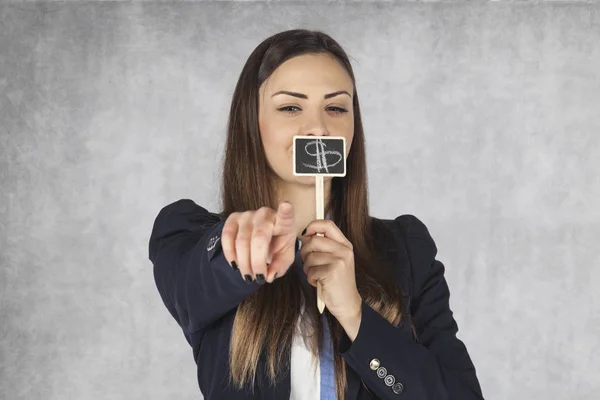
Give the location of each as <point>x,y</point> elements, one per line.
<point>314,125</point>
<point>317,134</point>
<point>316,129</point>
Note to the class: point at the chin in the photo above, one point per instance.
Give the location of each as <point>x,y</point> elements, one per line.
<point>308,180</point>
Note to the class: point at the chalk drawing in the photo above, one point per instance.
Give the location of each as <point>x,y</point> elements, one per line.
<point>321,155</point>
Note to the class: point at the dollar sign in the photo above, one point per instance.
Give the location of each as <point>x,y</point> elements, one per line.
<point>321,155</point>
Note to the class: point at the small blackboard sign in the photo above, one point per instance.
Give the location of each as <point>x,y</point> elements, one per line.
<point>319,155</point>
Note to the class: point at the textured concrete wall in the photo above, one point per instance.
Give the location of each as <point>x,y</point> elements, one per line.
<point>486,114</point>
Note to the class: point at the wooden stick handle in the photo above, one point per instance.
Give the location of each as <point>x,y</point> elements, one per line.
<point>320,215</point>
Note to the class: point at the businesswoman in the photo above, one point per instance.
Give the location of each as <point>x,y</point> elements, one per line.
<point>241,283</point>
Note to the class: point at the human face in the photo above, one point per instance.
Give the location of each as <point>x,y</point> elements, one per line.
<point>282,116</point>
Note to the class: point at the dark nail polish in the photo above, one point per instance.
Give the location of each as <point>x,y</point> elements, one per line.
<point>260,278</point>
<point>304,231</point>
<point>248,278</point>
<point>234,266</point>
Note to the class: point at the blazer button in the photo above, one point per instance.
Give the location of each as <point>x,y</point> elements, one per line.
<point>389,380</point>
<point>397,388</point>
<point>381,372</point>
<point>374,364</point>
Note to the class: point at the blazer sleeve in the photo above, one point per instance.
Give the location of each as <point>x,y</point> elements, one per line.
<point>395,365</point>
<point>195,281</point>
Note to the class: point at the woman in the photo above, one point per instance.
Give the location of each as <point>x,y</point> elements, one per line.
<point>242,283</point>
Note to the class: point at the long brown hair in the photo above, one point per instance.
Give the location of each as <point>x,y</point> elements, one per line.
<point>265,322</point>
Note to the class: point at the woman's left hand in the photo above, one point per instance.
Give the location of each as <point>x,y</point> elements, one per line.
<point>330,260</point>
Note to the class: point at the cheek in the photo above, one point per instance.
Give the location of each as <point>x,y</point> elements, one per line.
<point>269,136</point>
<point>348,146</point>
<point>277,143</point>
<point>277,139</point>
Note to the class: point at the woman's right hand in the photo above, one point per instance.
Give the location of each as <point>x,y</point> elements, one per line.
<point>261,242</point>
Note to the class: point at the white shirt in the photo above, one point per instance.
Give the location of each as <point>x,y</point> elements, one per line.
<point>305,373</point>
<point>305,370</point>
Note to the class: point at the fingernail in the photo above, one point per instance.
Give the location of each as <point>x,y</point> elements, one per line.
<point>260,278</point>
<point>248,278</point>
<point>304,231</point>
<point>234,266</point>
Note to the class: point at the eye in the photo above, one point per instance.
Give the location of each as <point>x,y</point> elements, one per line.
<point>338,110</point>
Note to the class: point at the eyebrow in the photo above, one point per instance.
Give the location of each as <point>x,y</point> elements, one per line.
<point>303,96</point>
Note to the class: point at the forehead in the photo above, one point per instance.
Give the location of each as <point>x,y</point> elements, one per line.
<point>309,72</point>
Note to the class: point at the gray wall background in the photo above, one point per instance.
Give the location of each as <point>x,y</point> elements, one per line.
<point>482,119</point>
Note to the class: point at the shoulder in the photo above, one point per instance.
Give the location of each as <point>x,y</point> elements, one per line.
<point>415,247</point>
<point>410,230</point>
<point>185,211</point>
<point>417,235</point>
<point>178,219</point>
<point>187,206</point>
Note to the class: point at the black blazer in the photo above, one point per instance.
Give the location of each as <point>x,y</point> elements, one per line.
<point>201,291</point>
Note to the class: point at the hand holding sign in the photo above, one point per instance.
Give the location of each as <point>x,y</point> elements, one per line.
<point>329,262</point>
<point>320,156</point>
